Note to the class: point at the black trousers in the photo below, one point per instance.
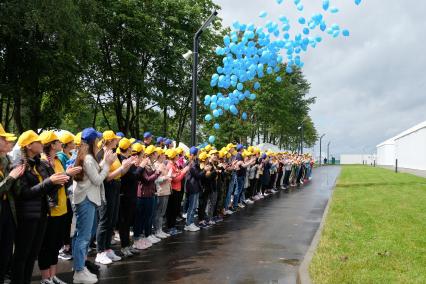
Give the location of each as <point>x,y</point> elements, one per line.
<point>52,242</point>
<point>280,175</point>
<point>126,219</point>
<point>173,208</point>
<point>7,235</point>
<point>251,189</point>
<point>108,215</point>
<point>203,199</point>
<point>287,178</point>
<point>68,221</point>
<point>28,241</point>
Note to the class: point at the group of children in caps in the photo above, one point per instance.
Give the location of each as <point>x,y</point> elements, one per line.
<point>91,185</point>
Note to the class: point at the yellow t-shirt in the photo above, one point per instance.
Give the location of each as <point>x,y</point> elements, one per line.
<point>61,209</point>
<point>114,167</point>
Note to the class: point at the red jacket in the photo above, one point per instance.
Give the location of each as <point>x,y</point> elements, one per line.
<point>177,175</point>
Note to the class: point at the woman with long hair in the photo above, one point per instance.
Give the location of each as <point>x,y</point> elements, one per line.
<point>57,220</point>
<point>108,211</point>
<point>38,183</point>
<point>88,194</point>
<point>8,188</point>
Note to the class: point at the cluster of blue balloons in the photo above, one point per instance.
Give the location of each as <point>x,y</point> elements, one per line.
<point>249,52</point>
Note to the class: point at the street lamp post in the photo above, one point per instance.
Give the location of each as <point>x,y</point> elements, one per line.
<point>320,149</point>
<point>301,134</point>
<point>195,76</point>
<point>328,152</point>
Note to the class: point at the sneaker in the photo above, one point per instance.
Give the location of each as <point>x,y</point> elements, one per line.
<point>159,235</point>
<point>179,219</point>
<point>84,277</point>
<point>141,244</point>
<point>92,267</point>
<point>165,234</point>
<point>255,198</point>
<point>194,228</point>
<point>56,280</point>
<point>46,281</point>
<point>229,212</point>
<point>102,258</point>
<point>184,215</point>
<point>249,202</point>
<point>126,252</point>
<point>241,205</point>
<point>174,231</point>
<point>64,255</point>
<point>219,219</point>
<point>111,255</point>
<point>153,239</point>
<point>133,250</point>
<point>211,222</point>
<point>274,191</point>
<point>203,225</point>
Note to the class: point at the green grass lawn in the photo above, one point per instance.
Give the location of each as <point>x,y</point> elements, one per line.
<point>375,231</point>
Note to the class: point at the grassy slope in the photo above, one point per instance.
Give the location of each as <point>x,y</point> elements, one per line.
<point>375,231</point>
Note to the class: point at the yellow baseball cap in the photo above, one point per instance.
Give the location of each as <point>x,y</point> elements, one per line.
<point>179,150</point>
<point>109,135</point>
<point>213,151</point>
<point>47,137</point>
<point>203,156</point>
<point>11,138</point>
<point>66,138</point>
<point>159,150</point>
<point>137,148</point>
<point>208,148</point>
<point>132,140</point>
<point>171,153</point>
<point>150,149</point>
<point>77,139</point>
<point>250,149</point>
<point>4,133</point>
<point>124,143</point>
<point>27,138</point>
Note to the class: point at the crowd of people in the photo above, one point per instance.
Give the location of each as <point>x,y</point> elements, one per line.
<point>63,195</point>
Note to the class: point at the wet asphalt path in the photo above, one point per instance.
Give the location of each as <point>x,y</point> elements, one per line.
<point>263,243</point>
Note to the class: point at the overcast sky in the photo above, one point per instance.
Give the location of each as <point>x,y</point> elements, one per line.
<point>369,86</point>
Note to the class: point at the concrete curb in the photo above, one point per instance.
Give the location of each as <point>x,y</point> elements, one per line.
<point>303,276</point>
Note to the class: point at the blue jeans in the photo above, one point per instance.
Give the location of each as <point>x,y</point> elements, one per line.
<point>240,186</point>
<point>193,204</point>
<point>85,214</point>
<point>231,186</point>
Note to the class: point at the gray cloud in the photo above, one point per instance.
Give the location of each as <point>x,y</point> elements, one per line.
<point>370,86</point>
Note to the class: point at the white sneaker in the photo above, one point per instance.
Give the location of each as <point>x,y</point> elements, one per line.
<point>184,215</point>
<point>84,277</point>
<point>229,212</point>
<point>165,234</point>
<point>193,228</point>
<point>241,205</point>
<point>159,235</point>
<point>102,258</point>
<point>153,239</point>
<point>90,273</point>
<point>111,255</point>
<point>126,252</point>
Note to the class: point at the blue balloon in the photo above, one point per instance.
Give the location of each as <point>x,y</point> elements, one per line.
<point>216,126</point>
<point>357,2</point>
<point>256,86</point>
<point>233,109</point>
<point>263,14</point>
<point>216,113</point>
<point>345,33</point>
<point>244,116</point>
<point>212,139</point>
<point>213,106</point>
<point>240,86</point>
<point>208,117</point>
<point>279,1</point>
<point>302,20</point>
<point>278,79</point>
<point>325,4</point>
<point>334,10</point>
<point>252,97</point>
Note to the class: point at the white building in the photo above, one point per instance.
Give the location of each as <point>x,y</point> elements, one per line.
<point>386,153</point>
<point>409,147</point>
<point>357,159</point>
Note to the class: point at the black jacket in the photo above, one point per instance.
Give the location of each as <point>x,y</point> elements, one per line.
<point>32,202</point>
<point>129,181</point>
<point>194,177</point>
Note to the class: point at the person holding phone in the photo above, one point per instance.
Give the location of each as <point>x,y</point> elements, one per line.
<point>37,183</point>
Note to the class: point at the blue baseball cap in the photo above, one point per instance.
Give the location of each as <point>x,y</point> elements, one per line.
<point>90,134</point>
<point>168,142</point>
<point>120,134</point>
<point>160,139</point>
<point>193,150</point>
<point>263,156</point>
<point>240,147</point>
<point>147,135</point>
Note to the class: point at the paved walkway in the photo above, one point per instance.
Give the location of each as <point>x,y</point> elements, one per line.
<point>419,173</point>
<point>263,243</point>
